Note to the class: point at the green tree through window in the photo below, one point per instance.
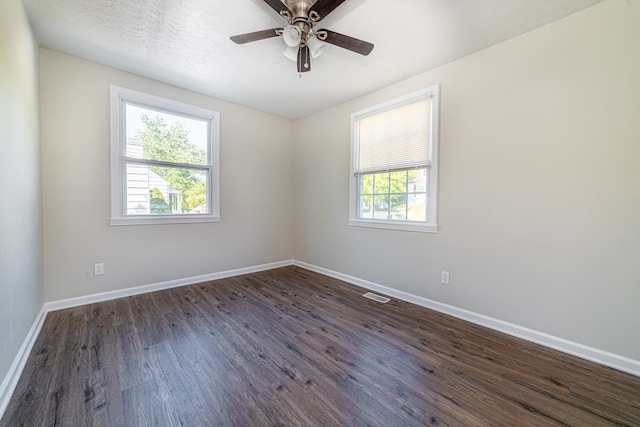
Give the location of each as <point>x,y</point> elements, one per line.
<point>171,143</point>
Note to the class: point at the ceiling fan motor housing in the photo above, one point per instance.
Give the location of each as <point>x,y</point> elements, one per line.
<point>301,18</point>
<point>300,8</point>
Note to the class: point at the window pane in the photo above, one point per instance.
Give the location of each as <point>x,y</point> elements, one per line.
<point>398,206</point>
<point>155,190</point>
<point>381,182</point>
<point>417,186</point>
<point>381,207</point>
<point>417,207</point>
<point>365,208</point>
<point>158,135</point>
<point>366,184</point>
<point>417,181</point>
<point>399,182</point>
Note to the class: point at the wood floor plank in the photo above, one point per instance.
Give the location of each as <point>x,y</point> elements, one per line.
<point>289,347</point>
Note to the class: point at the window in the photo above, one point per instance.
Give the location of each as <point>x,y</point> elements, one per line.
<point>164,160</point>
<point>394,167</point>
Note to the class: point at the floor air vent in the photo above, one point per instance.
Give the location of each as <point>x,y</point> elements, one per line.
<point>375,297</point>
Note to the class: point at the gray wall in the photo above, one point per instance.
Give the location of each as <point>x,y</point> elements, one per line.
<point>21,291</point>
<point>256,189</point>
<point>539,186</point>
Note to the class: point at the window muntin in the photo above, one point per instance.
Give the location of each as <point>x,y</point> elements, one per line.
<point>164,160</point>
<point>394,163</point>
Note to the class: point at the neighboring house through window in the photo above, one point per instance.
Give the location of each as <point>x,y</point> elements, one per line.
<point>394,163</point>
<point>147,192</point>
<point>164,160</point>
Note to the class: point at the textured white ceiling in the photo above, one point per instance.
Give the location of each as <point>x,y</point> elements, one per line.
<point>186,43</point>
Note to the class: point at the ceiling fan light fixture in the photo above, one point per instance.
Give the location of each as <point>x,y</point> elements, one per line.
<point>291,52</point>
<point>316,47</point>
<point>292,35</point>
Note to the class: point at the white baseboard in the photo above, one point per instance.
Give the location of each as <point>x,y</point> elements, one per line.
<point>110,295</point>
<point>11,379</point>
<point>602,357</point>
<point>615,361</point>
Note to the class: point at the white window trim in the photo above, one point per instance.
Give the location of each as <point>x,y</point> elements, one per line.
<point>118,140</point>
<point>431,225</point>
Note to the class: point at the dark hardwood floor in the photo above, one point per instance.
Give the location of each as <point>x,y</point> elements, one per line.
<point>292,347</point>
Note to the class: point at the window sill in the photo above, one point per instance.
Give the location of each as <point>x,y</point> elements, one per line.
<point>395,225</point>
<point>163,219</point>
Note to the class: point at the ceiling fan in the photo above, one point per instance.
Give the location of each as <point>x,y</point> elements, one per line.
<point>303,40</point>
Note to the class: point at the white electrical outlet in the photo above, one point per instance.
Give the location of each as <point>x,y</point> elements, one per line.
<point>444,278</point>
<point>98,269</point>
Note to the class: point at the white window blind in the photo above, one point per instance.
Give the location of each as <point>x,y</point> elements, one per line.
<point>395,139</point>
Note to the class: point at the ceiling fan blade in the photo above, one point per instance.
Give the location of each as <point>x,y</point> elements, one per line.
<point>257,35</point>
<point>304,59</point>
<point>322,8</point>
<point>345,42</point>
<point>280,8</point>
